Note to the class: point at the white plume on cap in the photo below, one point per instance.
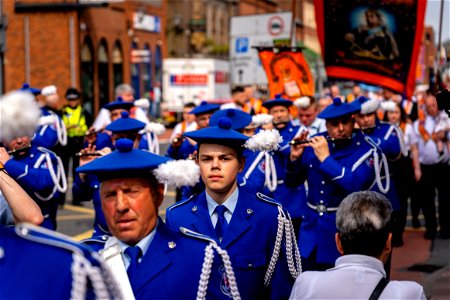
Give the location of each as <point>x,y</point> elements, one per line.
<point>388,105</point>
<point>19,115</point>
<point>370,106</point>
<point>48,90</point>
<point>265,140</point>
<point>262,119</point>
<point>143,103</point>
<point>156,128</point>
<point>178,173</point>
<point>302,102</point>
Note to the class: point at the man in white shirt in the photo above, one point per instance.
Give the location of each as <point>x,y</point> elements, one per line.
<point>126,92</point>
<point>188,123</point>
<point>364,240</point>
<point>307,110</point>
<point>435,169</point>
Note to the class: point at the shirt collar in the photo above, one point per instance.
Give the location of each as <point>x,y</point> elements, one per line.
<point>144,243</point>
<point>361,260</point>
<point>230,202</point>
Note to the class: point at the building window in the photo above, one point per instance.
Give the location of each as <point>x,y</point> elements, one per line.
<point>158,63</point>
<point>117,59</point>
<point>135,71</point>
<point>147,70</point>
<point>103,78</point>
<point>87,76</point>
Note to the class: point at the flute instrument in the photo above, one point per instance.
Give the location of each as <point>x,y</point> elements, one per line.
<point>19,150</point>
<point>96,153</point>
<point>299,142</point>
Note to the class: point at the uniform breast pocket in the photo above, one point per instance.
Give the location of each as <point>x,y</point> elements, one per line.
<point>251,261</point>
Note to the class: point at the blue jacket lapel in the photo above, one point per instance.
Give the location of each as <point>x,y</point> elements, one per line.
<point>239,223</point>
<point>156,258</point>
<point>202,221</point>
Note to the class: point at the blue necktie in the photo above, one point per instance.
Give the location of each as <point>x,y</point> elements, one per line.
<point>134,253</point>
<point>222,223</point>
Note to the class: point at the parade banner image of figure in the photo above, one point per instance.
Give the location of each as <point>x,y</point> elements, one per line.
<point>287,72</point>
<point>377,42</point>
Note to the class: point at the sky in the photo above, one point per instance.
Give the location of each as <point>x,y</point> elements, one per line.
<point>432,18</point>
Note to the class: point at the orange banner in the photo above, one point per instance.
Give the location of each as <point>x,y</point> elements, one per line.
<point>287,72</point>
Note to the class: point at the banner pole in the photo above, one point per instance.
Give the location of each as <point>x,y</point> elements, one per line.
<point>438,52</point>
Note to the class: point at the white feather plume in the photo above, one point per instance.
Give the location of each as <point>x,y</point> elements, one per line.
<point>262,119</point>
<point>156,128</point>
<point>19,115</point>
<point>265,140</point>
<point>48,90</point>
<point>369,106</point>
<point>178,173</point>
<point>388,105</point>
<point>143,103</point>
<point>302,102</point>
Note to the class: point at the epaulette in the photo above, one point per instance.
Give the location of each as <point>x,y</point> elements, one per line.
<point>267,199</point>
<point>196,235</point>
<point>49,237</point>
<point>96,239</point>
<point>181,203</point>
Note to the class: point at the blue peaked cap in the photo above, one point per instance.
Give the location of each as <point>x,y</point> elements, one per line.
<point>277,101</point>
<point>338,109</point>
<point>204,108</point>
<point>118,104</point>
<point>123,162</point>
<point>222,134</point>
<point>27,88</point>
<point>125,124</point>
<point>239,119</point>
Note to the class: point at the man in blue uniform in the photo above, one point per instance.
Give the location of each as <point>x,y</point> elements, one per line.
<point>182,148</point>
<point>290,197</point>
<point>335,163</point>
<point>86,188</point>
<point>390,140</point>
<point>252,180</point>
<point>39,264</point>
<point>160,263</point>
<point>37,170</point>
<point>244,224</point>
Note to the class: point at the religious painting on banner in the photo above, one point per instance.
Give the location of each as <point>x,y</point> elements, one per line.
<point>287,72</point>
<point>375,42</point>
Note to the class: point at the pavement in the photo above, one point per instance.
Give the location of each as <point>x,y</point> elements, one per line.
<point>423,261</point>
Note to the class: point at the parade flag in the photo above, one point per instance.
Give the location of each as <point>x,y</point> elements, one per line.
<point>376,42</point>
<point>287,72</point>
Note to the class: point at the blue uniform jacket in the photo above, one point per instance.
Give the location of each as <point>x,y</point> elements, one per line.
<point>39,265</point>
<point>290,197</point>
<point>256,180</point>
<point>329,183</point>
<point>386,138</point>
<point>171,267</point>
<point>249,241</point>
<point>46,135</point>
<point>182,152</point>
<point>32,173</point>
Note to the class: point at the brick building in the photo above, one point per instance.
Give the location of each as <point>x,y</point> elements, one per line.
<point>90,44</point>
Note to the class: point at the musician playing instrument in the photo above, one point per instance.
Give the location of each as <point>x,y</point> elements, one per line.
<point>36,169</point>
<point>335,163</point>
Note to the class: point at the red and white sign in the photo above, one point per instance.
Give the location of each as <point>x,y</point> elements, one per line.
<point>189,79</point>
<point>275,25</point>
